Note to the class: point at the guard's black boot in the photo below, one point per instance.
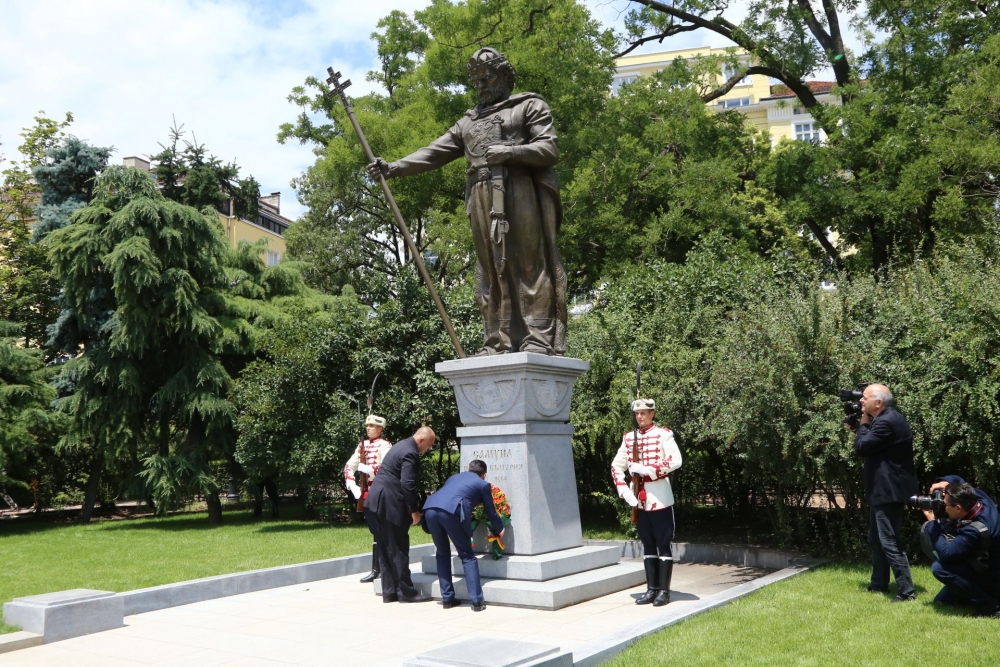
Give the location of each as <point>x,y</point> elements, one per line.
<point>663,583</point>
<point>376,572</point>
<point>651,570</point>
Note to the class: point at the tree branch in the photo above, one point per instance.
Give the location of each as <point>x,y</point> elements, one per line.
<point>670,32</point>
<point>735,79</point>
<point>721,26</point>
<point>531,19</point>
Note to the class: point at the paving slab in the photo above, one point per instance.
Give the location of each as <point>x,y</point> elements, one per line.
<point>333,621</point>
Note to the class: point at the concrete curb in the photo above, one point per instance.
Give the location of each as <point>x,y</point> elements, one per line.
<point>198,590</point>
<point>730,554</point>
<point>53,627</point>
<point>15,641</point>
<point>604,648</point>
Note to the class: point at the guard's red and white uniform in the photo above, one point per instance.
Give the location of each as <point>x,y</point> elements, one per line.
<point>659,451</point>
<point>373,451</point>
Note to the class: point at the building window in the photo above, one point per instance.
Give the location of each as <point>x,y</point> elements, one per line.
<point>738,102</point>
<point>728,71</point>
<point>807,132</point>
<point>272,258</point>
<point>619,81</point>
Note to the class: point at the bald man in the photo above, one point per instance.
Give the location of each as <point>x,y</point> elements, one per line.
<point>885,441</point>
<point>392,506</point>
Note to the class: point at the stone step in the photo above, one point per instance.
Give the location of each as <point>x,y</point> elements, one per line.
<point>536,568</point>
<point>551,594</point>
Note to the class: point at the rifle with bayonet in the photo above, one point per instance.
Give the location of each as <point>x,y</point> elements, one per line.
<point>363,478</point>
<point>636,478</point>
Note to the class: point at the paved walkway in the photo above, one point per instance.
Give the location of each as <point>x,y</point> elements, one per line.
<point>338,623</point>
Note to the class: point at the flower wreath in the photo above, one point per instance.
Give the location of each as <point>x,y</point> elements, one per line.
<point>495,546</point>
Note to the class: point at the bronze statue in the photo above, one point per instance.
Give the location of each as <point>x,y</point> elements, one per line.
<point>512,198</point>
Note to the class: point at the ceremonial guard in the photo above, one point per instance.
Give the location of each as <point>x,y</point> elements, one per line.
<point>652,458</point>
<point>366,460</point>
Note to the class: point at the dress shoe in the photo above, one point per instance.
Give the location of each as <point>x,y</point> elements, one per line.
<point>990,611</point>
<point>415,598</point>
<point>371,576</point>
<point>876,589</point>
<point>392,599</point>
<point>448,604</point>
<point>479,607</point>
<point>909,597</point>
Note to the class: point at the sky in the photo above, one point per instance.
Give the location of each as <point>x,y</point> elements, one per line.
<point>222,68</point>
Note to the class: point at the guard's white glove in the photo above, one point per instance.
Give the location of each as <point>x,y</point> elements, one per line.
<point>629,497</point>
<point>639,469</point>
<point>354,489</point>
<point>366,469</point>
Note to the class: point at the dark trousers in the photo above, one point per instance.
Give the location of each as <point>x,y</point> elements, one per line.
<point>444,525</point>
<point>885,539</point>
<point>656,530</point>
<point>394,556</point>
<point>963,585</point>
<point>371,519</point>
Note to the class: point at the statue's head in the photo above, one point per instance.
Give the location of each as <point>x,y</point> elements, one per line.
<point>492,75</point>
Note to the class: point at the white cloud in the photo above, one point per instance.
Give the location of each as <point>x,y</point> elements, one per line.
<point>224,69</point>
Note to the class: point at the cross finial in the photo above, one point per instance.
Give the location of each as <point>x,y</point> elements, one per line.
<point>336,86</point>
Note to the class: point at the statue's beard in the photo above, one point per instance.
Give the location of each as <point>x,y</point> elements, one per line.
<point>493,94</point>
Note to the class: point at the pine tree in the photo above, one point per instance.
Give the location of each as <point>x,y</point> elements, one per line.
<point>149,387</point>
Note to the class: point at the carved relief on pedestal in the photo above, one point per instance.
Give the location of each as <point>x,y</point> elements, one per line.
<point>550,396</point>
<point>490,398</point>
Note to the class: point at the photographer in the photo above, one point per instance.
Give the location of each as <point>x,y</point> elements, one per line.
<point>885,440</point>
<point>966,560</point>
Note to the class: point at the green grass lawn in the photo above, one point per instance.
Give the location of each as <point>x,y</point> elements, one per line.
<point>126,554</point>
<point>821,618</point>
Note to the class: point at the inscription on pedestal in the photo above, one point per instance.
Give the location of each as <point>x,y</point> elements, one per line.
<point>500,464</point>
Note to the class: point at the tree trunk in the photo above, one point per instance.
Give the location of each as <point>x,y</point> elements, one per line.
<point>272,495</point>
<point>258,500</point>
<point>214,508</point>
<point>90,496</point>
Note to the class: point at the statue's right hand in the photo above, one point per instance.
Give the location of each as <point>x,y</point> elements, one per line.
<point>378,166</point>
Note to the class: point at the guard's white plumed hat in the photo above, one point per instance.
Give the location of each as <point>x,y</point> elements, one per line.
<point>643,404</point>
<point>375,420</point>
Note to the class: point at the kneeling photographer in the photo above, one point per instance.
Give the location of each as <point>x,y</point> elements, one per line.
<point>962,535</point>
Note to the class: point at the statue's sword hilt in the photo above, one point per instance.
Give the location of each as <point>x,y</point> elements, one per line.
<point>338,87</point>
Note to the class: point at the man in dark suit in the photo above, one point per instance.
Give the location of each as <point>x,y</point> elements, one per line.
<point>448,512</point>
<point>885,440</point>
<point>392,507</point>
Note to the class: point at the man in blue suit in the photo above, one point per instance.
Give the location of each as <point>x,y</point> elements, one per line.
<point>448,513</point>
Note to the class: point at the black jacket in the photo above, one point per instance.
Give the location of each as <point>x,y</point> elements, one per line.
<point>393,493</point>
<point>887,447</point>
<point>966,544</point>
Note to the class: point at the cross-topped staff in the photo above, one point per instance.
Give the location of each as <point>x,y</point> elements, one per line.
<point>338,88</point>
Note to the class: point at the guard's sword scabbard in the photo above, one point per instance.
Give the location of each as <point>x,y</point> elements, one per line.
<point>338,87</point>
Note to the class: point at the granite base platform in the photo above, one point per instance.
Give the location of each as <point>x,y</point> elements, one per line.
<point>547,581</point>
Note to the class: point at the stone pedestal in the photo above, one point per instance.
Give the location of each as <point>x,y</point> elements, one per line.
<point>515,408</point>
<point>515,411</point>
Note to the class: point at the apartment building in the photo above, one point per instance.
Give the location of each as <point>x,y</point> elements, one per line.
<point>269,224</point>
<point>771,107</point>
